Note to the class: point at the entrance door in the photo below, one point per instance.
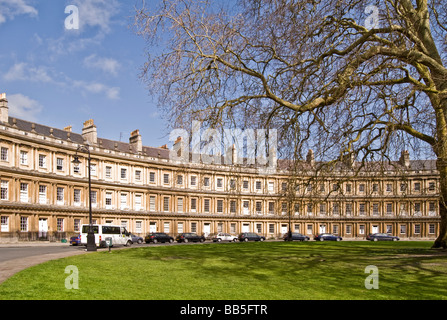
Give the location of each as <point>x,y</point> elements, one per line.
<point>153,227</point>
<point>284,229</point>
<point>206,229</point>
<point>322,228</point>
<point>43,228</point>
<point>246,227</point>
<point>375,229</point>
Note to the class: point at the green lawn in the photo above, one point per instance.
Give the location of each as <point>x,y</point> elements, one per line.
<point>267,270</point>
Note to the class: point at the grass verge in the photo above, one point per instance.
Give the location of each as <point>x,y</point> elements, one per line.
<point>233,271</point>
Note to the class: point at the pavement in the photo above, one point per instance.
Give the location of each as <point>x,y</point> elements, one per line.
<point>10,267</point>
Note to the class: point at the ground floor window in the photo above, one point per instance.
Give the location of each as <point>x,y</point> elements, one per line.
<point>431,229</point>
<point>335,229</point>
<point>166,227</point>
<point>60,224</point>
<point>124,224</point>
<point>138,226</point>
<point>403,229</point>
<point>194,227</point>
<point>309,229</point>
<point>23,224</point>
<point>348,229</point>
<point>417,229</point>
<point>362,229</point>
<point>77,225</point>
<point>4,224</point>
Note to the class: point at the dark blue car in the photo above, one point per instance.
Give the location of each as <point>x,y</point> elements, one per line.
<point>296,236</point>
<point>75,240</point>
<point>327,237</point>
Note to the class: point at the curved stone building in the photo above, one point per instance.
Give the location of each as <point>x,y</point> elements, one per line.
<point>45,196</point>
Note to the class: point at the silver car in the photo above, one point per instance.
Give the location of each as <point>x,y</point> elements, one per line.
<point>221,236</point>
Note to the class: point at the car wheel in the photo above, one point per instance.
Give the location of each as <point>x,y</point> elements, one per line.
<point>140,241</point>
<point>185,241</point>
<point>262,239</point>
<point>321,239</point>
<point>246,239</point>
<point>235,239</point>
<point>129,243</point>
<point>202,240</point>
<point>219,239</point>
<point>394,239</point>
<point>171,240</point>
<point>338,239</point>
<point>155,241</point>
<point>375,239</point>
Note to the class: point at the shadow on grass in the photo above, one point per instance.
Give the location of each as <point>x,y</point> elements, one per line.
<point>406,270</point>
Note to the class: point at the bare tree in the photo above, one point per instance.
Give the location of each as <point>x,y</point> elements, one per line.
<point>362,77</point>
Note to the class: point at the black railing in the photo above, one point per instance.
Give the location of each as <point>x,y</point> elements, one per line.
<point>52,236</point>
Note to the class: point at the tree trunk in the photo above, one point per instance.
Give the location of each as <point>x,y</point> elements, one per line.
<point>441,241</point>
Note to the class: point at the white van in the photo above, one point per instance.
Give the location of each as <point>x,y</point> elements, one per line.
<point>118,235</point>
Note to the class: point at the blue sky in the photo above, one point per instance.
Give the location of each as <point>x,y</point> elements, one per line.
<point>58,76</point>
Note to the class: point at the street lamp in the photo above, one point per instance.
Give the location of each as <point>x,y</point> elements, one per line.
<point>91,244</point>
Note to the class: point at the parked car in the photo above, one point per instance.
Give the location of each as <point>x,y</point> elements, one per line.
<point>221,236</point>
<point>250,236</point>
<point>156,237</point>
<point>136,239</point>
<point>381,237</point>
<point>75,240</point>
<point>327,237</point>
<point>296,236</point>
<point>189,237</point>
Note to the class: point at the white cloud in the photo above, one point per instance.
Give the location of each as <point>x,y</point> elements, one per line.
<point>23,107</point>
<point>11,8</point>
<point>107,65</point>
<point>96,13</point>
<point>98,88</point>
<point>23,71</point>
<point>95,22</point>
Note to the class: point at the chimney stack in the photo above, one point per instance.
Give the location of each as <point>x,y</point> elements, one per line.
<point>89,132</point>
<point>135,141</point>
<point>405,158</point>
<point>4,108</point>
<point>310,158</point>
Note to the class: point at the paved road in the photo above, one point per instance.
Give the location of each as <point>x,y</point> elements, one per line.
<point>16,257</point>
<point>10,252</point>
